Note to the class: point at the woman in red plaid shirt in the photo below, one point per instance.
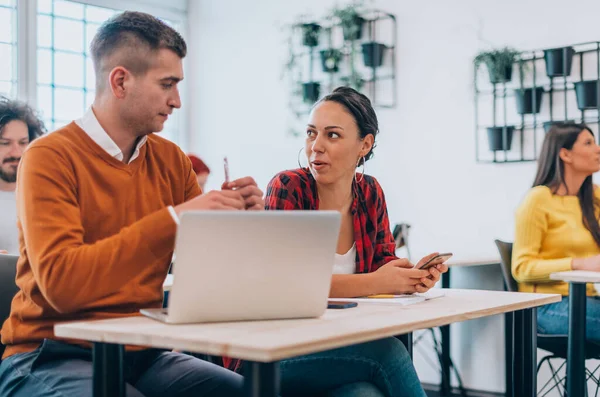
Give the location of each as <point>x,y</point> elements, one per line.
<point>340,136</point>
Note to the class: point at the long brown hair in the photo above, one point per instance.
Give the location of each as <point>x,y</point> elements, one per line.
<point>551,171</point>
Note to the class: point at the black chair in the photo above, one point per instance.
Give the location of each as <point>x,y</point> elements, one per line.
<point>556,345</point>
<point>8,288</point>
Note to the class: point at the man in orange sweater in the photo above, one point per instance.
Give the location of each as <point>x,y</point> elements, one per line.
<point>98,202</point>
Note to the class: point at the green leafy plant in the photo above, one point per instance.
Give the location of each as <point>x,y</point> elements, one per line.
<point>330,60</point>
<point>310,34</point>
<point>350,19</point>
<point>499,62</point>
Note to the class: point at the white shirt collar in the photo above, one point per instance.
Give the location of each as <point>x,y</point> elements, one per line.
<point>90,125</point>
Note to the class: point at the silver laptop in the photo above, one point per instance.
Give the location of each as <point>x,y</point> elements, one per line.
<point>234,266</point>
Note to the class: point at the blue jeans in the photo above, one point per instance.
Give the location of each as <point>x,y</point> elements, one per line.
<point>374,369</point>
<point>379,368</point>
<point>553,319</point>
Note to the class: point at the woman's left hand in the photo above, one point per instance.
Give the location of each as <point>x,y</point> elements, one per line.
<point>428,282</point>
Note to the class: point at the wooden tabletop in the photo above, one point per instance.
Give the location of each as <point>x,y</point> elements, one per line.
<point>473,262</point>
<point>577,276</point>
<point>267,341</point>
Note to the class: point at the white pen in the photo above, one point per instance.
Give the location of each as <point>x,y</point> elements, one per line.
<point>226,167</point>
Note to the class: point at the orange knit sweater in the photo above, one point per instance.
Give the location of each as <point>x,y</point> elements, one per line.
<point>96,237</point>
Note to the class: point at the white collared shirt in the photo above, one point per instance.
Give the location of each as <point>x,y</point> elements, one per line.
<point>91,126</point>
<point>89,123</point>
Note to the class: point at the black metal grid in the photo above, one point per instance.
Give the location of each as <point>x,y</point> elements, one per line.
<point>307,56</point>
<point>531,125</point>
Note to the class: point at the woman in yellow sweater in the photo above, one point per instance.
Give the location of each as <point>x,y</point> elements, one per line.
<point>557,227</point>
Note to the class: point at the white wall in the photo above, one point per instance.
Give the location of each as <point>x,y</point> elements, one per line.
<point>425,158</point>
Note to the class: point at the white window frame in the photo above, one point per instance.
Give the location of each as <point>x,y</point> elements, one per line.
<point>27,45</point>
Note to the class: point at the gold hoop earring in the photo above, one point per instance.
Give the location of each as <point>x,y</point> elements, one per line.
<point>362,174</point>
<point>299,152</point>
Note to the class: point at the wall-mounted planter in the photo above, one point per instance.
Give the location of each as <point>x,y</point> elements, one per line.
<point>311,91</point>
<point>587,94</point>
<point>525,98</point>
<point>496,138</point>
<point>555,61</point>
<point>310,34</point>
<point>330,60</point>
<point>353,28</point>
<point>373,54</point>
<point>503,76</point>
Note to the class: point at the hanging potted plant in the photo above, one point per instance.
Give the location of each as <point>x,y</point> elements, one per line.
<point>330,60</point>
<point>496,137</point>
<point>528,100</point>
<point>587,94</point>
<point>555,61</point>
<point>350,20</point>
<point>499,63</point>
<point>525,100</point>
<point>373,54</point>
<point>310,34</point>
<point>311,91</point>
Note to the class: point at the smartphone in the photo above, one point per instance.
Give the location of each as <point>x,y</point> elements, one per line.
<point>436,260</point>
<point>341,305</point>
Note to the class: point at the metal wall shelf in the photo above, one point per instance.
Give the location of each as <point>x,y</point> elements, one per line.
<point>372,77</point>
<point>558,92</point>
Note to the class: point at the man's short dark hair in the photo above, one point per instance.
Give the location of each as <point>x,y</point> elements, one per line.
<point>127,40</point>
<point>11,110</point>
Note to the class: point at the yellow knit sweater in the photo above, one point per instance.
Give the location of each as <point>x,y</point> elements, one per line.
<point>549,235</point>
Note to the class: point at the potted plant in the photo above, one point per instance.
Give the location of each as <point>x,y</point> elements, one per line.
<point>311,91</point>
<point>525,100</point>
<point>373,54</point>
<point>496,137</point>
<point>499,63</point>
<point>330,60</point>
<point>350,20</point>
<point>310,34</point>
<point>587,94</point>
<point>555,61</point>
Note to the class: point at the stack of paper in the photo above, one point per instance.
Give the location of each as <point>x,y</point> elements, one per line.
<point>404,300</point>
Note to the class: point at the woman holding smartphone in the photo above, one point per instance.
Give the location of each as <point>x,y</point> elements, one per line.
<point>340,136</point>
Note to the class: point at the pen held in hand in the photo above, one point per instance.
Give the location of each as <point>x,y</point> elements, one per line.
<point>226,168</point>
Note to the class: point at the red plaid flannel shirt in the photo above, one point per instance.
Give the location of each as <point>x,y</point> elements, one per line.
<point>375,246</point>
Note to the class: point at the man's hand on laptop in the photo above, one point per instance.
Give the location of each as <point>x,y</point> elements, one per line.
<point>214,200</point>
<point>247,187</point>
<point>4,252</point>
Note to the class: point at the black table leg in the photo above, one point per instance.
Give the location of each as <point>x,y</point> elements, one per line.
<point>445,330</point>
<point>508,352</point>
<point>524,355</point>
<point>108,378</point>
<point>576,344</point>
<point>407,340</point>
<point>261,379</point>
<point>530,352</point>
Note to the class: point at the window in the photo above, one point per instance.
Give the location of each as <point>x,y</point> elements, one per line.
<point>65,74</point>
<point>8,48</point>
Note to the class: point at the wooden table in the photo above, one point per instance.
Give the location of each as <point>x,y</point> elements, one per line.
<point>577,336</point>
<point>264,343</point>
<point>446,359</point>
